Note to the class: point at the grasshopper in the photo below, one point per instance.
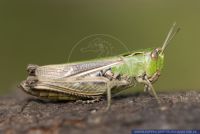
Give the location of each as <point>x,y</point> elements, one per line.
<point>95,79</point>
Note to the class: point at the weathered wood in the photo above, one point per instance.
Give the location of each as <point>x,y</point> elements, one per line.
<point>24,114</point>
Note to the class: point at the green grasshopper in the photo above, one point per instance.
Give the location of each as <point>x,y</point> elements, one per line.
<point>94,79</point>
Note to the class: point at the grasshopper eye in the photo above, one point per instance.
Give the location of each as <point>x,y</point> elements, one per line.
<point>154,54</point>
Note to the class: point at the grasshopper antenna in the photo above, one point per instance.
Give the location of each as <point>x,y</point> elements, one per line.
<point>170,36</point>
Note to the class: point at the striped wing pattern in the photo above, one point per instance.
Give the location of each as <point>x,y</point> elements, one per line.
<point>68,70</point>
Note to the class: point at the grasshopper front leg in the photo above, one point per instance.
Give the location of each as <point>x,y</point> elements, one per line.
<point>148,85</point>
<point>152,79</point>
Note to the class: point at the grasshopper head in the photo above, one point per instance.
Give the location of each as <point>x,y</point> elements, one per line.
<point>155,61</point>
<point>155,58</point>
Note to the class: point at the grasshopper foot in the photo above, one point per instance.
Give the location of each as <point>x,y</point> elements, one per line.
<point>148,86</point>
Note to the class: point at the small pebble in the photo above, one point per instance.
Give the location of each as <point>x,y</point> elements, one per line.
<point>163,108</point>
<point>95,120</point>
<point>130,102</point>
<point>93,111</point>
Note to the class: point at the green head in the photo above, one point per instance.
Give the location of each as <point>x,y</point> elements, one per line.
<point>155,58</point>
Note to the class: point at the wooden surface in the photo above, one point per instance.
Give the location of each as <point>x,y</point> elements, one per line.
<point>20,113</point>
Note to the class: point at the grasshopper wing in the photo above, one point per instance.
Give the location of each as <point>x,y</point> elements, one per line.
<point>74,69</point>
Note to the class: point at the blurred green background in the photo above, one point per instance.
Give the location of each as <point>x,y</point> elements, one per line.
<point>44,32</point>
